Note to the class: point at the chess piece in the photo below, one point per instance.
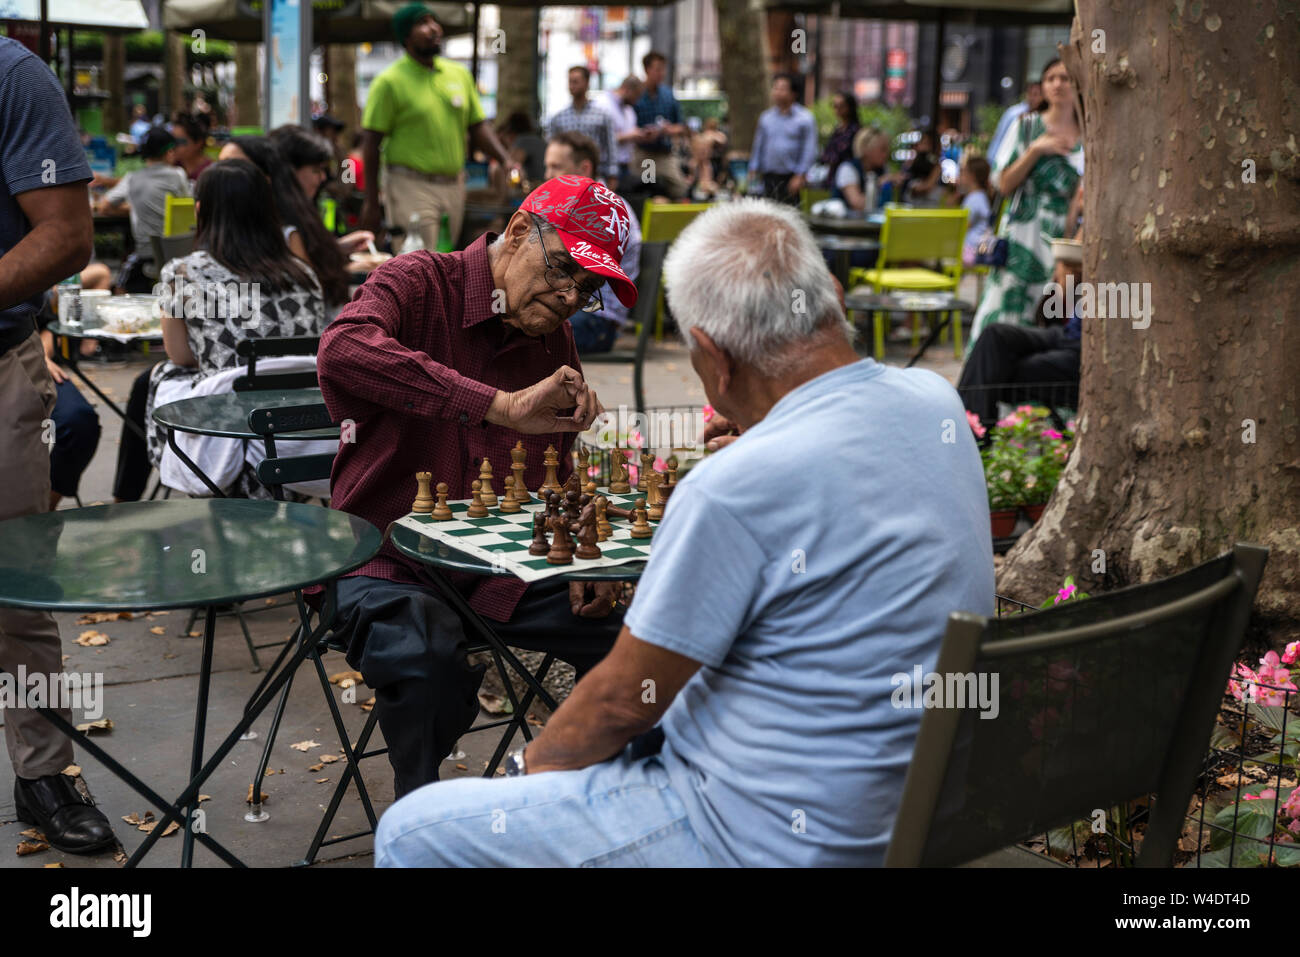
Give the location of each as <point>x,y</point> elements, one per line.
<point>618,473</point>
<point>540,545</point>
<point>656,511</point>
<point>584,459</point>
<point>614,510</point>
<point>572,507</point>
<point>590,487</point>
<point>672,474</point>
<point>640,527</point>
<point>552,504</point>
<point>442,511</point>
<point>665,491</point>
<point>603,528</point>
<point>423,499</point>
<point>485,484</point>
<point>574,482</point>
<point>517,454</point>
<point>561,552</point>
<point>647,466</point>
<point>476,508</point>
<point>552,463</point>
<point>508,503</point>
<point>588,534</point>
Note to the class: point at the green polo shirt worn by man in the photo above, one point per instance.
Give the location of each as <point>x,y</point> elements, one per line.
<point>422,110</point>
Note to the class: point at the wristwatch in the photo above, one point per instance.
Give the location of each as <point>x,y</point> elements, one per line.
<point>515,766</point>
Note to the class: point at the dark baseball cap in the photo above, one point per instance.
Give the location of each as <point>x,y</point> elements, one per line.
<point>156,142</point>
<point>322,120</point>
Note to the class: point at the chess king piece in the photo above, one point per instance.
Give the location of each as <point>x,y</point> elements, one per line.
<point>603,528</point>
<point>647,466</point>
<point>508,503</point>
<point>540,545</point>
<point>588,533</point>
<point>561,552</point>
<point>476,508</point>
<point>423,499</point>
<point>618,473</point>
<point>442,511</point>
<point>517,455</point>
<point>640,527</point>
<point>552,463</point>
<point>485,484</point>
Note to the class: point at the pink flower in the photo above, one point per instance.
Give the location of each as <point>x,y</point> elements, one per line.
<point>1052,434</point>
<point>1072,426</point>
<point>1292,805</point>
<point>1025,409</point>
<point>1271,659</point>
<point>660,464</point>
<point>1294,826</point>
<point>1012,420</point>
<point>632,471</point>
<point>635,439</point>
<point>1267,794</point>
<point>1065,594</point>
<point>1292,653</point>
<point>1251,682</point>
<point>975,427</point>
<point>708,413</point>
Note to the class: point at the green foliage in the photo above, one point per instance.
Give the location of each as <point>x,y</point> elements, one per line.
<point>893,120</point>
<point>1025,459</point>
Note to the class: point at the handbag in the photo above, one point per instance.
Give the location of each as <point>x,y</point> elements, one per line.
<point>992,250</point>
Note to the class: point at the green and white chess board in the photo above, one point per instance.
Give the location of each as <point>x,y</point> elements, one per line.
<point>502,538</point>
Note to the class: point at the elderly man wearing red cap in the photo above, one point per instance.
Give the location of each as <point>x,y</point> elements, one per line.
<point>442,361</point>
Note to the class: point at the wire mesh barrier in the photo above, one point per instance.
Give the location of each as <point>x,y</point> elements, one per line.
<point>1245,811</point>
<point>993,401</point>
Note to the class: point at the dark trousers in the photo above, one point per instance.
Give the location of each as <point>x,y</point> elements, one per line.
<point>411,647</point>
<point>776,186</point>
<point>592,332</point>
<point>1012,363</point>
<point>76,436</point>
<point>133,465</point>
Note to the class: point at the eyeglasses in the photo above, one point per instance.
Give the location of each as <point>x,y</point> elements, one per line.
<point>589,300</point>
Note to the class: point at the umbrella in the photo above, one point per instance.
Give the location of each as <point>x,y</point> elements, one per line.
<point>358,21</point>
<point>123,15</point>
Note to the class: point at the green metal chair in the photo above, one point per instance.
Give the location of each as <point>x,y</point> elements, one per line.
<point>664,222</point>
<point>1100,702</point>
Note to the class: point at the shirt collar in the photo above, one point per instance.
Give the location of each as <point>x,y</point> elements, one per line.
<point>478,282</point>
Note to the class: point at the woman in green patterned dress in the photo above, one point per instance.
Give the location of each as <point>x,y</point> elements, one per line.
<point>1042,162</point>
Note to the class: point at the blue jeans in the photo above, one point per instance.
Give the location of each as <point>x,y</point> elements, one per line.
<point>620,813</point>
<point>593,332</point>
<point>76,436</point>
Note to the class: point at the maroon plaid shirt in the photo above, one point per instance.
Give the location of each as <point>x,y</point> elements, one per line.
<point>415,360</point>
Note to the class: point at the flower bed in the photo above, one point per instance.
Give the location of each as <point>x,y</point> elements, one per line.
<point>1023,458</point>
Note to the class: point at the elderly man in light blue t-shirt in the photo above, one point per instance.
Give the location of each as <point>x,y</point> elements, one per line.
<point>746,714</point>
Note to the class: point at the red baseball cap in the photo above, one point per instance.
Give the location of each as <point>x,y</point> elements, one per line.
<point>592,222</point>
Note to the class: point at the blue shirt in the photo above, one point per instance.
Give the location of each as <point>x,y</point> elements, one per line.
<point>1008,120</point>
<point>784,142</point>
<point>656,106</point>
<point>39,147</point>
<point>804,566</point>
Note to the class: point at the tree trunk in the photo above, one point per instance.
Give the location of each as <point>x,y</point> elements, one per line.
<point>341,93</point>
<point>517,65</point>
<point>248,85</point>
<point>744,67</point>
<point>115,83</point>
<point>176,71</point>
<point>1189,438</point>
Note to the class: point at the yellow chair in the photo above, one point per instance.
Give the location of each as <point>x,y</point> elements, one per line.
<point>662,223</point>
<point>807,197</point>
<point>912,235</point>
<point>178,215</point>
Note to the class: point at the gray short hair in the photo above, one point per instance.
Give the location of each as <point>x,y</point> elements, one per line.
<point>749,274</point>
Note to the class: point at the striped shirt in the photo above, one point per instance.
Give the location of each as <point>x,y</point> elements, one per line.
<point>591,121</point>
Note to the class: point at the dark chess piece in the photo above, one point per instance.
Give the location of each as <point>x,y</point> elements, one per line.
<point>561,552</point>
<point>540,545</point>
<point>588,533</point>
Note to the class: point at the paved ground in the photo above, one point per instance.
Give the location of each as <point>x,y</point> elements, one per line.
<point>151,680</point>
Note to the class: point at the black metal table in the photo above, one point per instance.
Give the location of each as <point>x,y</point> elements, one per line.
<point>71,354</point>
<point>844,247</point>
<point>225,415</point>
<point>182,553</point>
<point>855,225</point>
<point>947,306</point>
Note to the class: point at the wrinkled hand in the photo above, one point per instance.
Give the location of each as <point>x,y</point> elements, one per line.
<point>56,372</point>
<point>594,599</point>
<point>720,432</point>
<point>544,406</point>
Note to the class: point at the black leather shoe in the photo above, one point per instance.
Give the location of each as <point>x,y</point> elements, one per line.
<point>70,822</point>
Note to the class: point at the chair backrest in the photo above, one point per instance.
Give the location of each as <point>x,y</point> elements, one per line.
<point>808,196</point>
<point>1098,702</point>
<point>664,222</point>
<point>922,234</point>
<point>268,346</point>
<point>276,471</point>
<point>178,215</point>
<point>167,248</point>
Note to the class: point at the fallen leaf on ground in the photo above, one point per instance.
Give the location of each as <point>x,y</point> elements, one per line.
<point>321,780</point>
<point>270,771</point>
<point>119,856</point>
<point>204,797</point>
<point>316,767</point>
<point>493,703</point>
<point>534,720</point>
<point>31,847</point>
<point>98,617</point>
<point>249,799</point>
<point>136,820</point>
<point>270,601</point>
<point>157,630</point>
<point>328,758</point>
<point>55,864</point>
<point>343,675</point>
<point>305,745</point>
<point>103,724</point>
<point>91,638</point>
<point>347,683</point>
<point>461,767</point>
<point>166,657</point>
<point>366,706</point>
<point>196,634</point>
<point>72,770</point>
<point>34,834</point>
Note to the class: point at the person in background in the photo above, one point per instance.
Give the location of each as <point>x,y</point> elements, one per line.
<point>919,175</point>
<point>1031,102</point>
<point>976,192</point>
<point>839,147</point>
<point>144,191</point>
<point>330,129</point>
<point>422,110</point>
<point>870,157</point>
<point>76,424</point>
<point>785,142</point>
<point>311,162</point>
<point>358,163</point>
<point>139,123</point>
<point>526,148</point>
<point>619,103</point>
<point>585,117</point>
<point>327,128</point>
<point>190,137</point>
<point>707,149</point>
<point>572,154</point>
<point>46,235</point>
<point>659,117</point>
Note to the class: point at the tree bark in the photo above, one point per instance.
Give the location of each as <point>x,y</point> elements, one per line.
<point>1189,438</point>
<point>115,83</point>
<point>341,92</point>
<point>248,110</point>
<point>176,71</point>
<point>517,66</point>
<point>741,38</point>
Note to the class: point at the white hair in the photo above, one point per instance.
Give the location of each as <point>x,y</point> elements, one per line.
<point>749,275</point>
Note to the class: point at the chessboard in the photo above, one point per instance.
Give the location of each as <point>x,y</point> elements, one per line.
<point>502,538</point>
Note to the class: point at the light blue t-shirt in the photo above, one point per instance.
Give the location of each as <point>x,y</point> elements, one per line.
<point>805,565</point>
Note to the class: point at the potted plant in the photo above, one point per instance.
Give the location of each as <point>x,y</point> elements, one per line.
<point>1004,476</point>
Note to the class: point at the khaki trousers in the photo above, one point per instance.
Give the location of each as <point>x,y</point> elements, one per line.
<point>667,172</point>
<point>29,638</point>
<point>407,192</point>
